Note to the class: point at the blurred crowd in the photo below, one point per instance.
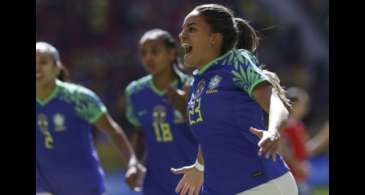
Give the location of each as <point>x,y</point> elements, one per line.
<point>98,42</point>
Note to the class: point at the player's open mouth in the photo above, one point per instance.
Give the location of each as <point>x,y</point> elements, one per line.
<point>187,48</point>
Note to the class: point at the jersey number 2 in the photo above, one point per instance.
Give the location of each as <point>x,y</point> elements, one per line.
<point>43,125</point>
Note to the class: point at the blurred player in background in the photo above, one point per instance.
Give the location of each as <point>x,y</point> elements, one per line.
<point>66,160</point>
<point>294,139</point>
<point>320,141</point>
<point>225,109</point>
<point>157,117</point>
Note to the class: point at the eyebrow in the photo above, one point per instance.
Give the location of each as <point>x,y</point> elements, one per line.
<point>190,24</point>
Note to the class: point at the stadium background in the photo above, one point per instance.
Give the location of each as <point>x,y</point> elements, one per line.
<point>98,40</point>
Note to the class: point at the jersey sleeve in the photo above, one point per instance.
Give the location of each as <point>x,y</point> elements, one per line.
<point>88,105</point>
<point>130,112</point>
<point>246,75</point>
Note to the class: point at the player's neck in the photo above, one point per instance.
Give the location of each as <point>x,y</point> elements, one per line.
<point>164,79</point>
<point>43,92</point>
<point>208,59</point>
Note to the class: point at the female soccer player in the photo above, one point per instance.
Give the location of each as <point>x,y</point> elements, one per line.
<point>225,111</point>
<point>169,141</point>
<point>320,141</point>
<point>67,162</point>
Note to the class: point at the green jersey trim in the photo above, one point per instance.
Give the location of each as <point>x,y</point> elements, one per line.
<point>51,97</point>
<point>211,63</point>
<point>103,110</point>
<point>160,92</point>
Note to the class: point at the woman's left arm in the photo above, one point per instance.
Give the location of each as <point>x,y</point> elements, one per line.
<point>268,99</point>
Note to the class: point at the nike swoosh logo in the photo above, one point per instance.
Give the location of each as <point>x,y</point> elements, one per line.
<point>141,113</point>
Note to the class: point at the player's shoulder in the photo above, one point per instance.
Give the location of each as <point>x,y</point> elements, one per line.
<point>73,89</point>
<point>138,85</point>
<point>236,59</point>
<point>247,55</point>
<point>241,61</point>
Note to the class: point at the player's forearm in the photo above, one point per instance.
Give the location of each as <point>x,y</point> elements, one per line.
<point>319,142</point>
<point>120,140</point>
<point>278,113</point>
<point>199,163</point>
<point>200,158</point>
<point>116,133</point>
<point>138,145</point>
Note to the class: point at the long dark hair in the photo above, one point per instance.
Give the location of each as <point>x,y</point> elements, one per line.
<point>247,36</point>
<point>220,20</point>
<point>275,82</point>
<point>64,74</point>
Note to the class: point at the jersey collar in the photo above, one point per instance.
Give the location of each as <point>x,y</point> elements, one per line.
<point>210,64</point>
<point>161,92</point>
<point>52,96</point>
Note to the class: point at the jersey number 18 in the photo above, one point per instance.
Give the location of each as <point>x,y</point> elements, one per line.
<point>162,131</point>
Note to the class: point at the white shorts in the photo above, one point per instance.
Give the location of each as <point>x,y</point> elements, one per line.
<point>283,185</point>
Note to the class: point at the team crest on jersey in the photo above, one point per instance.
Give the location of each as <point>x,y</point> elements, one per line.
<point>178,117</point>
<point>213,84</point>
<point>59,122</point>
<point>159,114</point>
<point>199,90</point>
<point>141,113</point>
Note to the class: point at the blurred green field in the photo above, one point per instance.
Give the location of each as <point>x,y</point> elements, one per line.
<point>321,191</point>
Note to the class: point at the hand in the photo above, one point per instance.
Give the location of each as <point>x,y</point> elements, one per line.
<point>191,182</point>
<point>134,176</point>
<point>269,143</point>
<point>177,98</point>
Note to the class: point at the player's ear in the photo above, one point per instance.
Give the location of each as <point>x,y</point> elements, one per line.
<point>215,39</point>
